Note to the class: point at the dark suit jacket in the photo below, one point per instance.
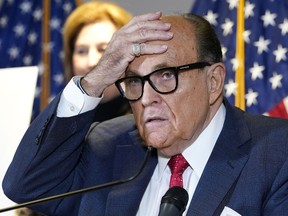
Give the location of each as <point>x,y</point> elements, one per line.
<point>247,170</point>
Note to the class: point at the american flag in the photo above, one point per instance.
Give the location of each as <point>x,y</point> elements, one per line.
<point>265,37</point>
<point>31,34</point>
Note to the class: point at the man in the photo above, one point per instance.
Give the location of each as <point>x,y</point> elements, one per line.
<point>174,77</point>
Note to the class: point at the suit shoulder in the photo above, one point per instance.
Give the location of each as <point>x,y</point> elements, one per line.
<point>112,129</point>
<point>261,121</point>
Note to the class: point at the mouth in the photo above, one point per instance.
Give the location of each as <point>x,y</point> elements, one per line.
<point>154,120</point>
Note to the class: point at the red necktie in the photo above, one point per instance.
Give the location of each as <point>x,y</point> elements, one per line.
<point>177,165</point>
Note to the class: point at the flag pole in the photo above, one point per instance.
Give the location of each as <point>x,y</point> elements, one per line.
<point>240,56</point>
<point>45,79</point>
<point>78,2</point>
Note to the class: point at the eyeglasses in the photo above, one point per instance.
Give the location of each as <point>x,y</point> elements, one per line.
<point>163,81</point>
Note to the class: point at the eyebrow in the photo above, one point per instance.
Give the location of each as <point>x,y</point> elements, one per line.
<point>129,72</point>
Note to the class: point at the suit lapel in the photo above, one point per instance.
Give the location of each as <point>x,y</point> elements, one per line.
<point>223,167</point>
<point>125,199</point>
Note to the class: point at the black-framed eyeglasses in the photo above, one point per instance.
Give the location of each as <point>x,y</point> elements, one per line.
<point>163,81</point>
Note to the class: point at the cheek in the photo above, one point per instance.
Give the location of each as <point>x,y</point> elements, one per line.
<point>137,112</point>
<point>191,108</point>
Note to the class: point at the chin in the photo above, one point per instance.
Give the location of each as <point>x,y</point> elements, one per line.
<point>169,151</point>
<point>163,147</point>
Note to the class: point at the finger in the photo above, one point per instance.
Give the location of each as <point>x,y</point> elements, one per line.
<point>149,49</point>
<point>147,17</point>
<point>143,36</point>
<point>147,25</point>
<point>150,21</point>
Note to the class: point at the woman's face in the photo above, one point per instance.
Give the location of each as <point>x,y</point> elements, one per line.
<point>90,44</point>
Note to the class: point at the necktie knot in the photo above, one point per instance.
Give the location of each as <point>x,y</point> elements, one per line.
<point>177,165</point>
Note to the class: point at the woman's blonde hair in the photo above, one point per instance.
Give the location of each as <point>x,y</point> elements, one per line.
<point>87,13</point>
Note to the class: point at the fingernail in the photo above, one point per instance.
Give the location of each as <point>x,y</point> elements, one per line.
<point>164,47</point>
<point>170,34</point>
<point>168,25</point>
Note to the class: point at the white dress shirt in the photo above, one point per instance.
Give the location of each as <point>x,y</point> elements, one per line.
<point>74,102</point>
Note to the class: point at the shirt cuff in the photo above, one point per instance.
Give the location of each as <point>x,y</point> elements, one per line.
<point>73,101</point>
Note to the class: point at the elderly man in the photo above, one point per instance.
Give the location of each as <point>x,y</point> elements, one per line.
<point>170,69</point>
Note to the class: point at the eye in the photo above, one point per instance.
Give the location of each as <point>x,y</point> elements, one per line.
<point>101,48</point>
<point>168,74</point>
<point>80,51</point>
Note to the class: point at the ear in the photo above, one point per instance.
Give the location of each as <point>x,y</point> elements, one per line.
<point>216,77</point>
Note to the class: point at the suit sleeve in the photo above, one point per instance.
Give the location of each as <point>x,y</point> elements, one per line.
<point>47,157</point>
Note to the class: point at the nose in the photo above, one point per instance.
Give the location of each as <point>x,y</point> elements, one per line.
<point>150,96</point>
<point>93,58</point>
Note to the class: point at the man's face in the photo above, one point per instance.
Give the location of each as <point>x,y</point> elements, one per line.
<point>171,122</point>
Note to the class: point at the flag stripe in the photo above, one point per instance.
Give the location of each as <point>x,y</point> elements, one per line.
<point>280,110</point>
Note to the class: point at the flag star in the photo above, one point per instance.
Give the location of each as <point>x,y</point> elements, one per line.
<point>55,23</point>
<point>37,92</point>
<point>41,68</point>
<point>25,7</point>
<point>262,45</point>
<point>224,51</point>
<point>230,88</point>
<point>256,71</point>
<point>61,54</point>
<point>284,27</point>
<point>27,60</point>
<point>251,98</point>
<point>32,38</point>
<point>276,80</point>
<point>37,14</point>
<point>59,79</point>
<point>13,52</point>
<point>232,4</point>
<point>268,18</point>
<point>280,53</point>
<point>67,7</point>
<point>3,21</point>
<point>211,17</point>
<point>248,10</point>
<point>227,27</point>
<point>246,35</point>
<point>235,63</point>
<point>19,29</point>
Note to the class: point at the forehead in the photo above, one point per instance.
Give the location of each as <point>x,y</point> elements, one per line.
<point>181,49</point>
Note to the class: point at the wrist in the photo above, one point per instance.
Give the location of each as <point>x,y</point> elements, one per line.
<point>91,87</point>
